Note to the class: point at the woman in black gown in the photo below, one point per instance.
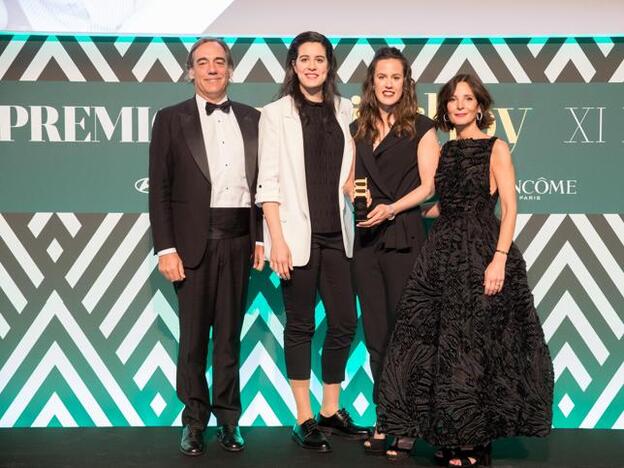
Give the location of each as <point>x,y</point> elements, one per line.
<point>397,152</point>
<point>467,361</point>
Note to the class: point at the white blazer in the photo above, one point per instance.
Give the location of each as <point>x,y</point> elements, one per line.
<point>282,179</point>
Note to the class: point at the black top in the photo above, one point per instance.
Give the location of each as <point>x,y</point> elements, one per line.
<point>392,172</point>
<point>323,147</point>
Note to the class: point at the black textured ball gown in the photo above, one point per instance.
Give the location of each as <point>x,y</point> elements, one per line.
<point>463,368</point>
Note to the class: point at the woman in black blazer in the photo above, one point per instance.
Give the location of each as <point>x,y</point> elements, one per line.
<point>397,152</point>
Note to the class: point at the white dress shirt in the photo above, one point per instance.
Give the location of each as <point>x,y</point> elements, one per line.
<point>225,150</point>
<point>226,157</point>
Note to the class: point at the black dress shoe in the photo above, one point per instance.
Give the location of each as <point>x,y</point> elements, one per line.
<point>230,438</point>
<point>192,442</point>
<point>308,436</point>
<point>342,425</point>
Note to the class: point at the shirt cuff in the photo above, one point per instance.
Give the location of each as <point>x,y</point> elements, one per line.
<point>260,243</point>
<point>166,251</point>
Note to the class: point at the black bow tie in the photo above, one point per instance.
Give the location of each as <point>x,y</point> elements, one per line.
<point>224,106</point>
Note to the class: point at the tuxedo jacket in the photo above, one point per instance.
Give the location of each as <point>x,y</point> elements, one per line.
<point>179,179</point>
<point>282,179</point>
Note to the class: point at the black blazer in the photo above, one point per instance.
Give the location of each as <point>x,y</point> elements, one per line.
<point>179,179</point>
<point>392,172</point>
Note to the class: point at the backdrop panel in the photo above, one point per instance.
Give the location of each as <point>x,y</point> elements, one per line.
<point>88,327</point>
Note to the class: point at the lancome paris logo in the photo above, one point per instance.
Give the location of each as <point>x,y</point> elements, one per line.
<point>535,189</point>
<point>142,185</point>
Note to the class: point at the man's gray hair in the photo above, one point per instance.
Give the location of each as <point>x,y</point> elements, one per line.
<point>203,40</point>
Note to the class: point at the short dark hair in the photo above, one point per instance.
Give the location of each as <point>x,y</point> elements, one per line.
<point>481,94</point>
<point>203,40</point>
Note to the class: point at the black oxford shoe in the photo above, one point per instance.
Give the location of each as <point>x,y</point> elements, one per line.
<point>308,436</point>
<point>342,425</point>
<point>192,442</point>
<point>230,438</point>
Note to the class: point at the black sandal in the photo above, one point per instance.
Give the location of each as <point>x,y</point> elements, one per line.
<point>481,454</point>
<point>375,446</point>
<point>402,446</point>
<point>443,455</point>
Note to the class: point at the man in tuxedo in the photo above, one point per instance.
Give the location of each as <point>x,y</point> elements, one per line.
<point>205,226</point>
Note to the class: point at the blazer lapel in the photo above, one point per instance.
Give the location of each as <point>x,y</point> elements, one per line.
<point>250,142</point>
<point>366,155</point>
<point>294,138</point>
<point>191,128</point>
<point>344,117</point>
<point>391,139</point>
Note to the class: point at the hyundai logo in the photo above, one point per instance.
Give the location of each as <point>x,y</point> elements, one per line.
<point>142,185</point>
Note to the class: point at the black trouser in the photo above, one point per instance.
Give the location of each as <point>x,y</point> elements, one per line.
<point>213,295</point>
<point>329,271</point>
<point>380,276</point>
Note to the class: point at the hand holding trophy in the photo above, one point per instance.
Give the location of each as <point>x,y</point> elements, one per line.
<point>360,202</point>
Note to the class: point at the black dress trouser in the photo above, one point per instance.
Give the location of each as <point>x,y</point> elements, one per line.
<point>380,276</point>
<point>329,272</point>
<point>213,295</point>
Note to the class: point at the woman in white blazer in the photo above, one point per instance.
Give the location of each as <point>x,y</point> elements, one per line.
<point>305,157</point>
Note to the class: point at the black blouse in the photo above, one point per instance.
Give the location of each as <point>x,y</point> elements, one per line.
<point>323,147</point>
<point>392,172</point>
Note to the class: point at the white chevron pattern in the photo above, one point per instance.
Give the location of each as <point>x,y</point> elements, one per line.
<point>140,326</point>
<point>466,52</point>
<point>570,52</point>
<point>259,51</point>
<point>52,49</point>
<point>157,51</point>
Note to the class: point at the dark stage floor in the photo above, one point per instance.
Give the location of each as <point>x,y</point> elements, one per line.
<point>272,447</point>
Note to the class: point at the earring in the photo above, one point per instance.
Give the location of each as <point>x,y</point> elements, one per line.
<point>479,116</point>
<point>445,118</point>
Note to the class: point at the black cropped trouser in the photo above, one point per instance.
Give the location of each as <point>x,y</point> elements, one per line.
<point>329,273</point>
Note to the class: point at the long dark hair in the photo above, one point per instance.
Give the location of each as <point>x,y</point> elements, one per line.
<point>405,112</point>
<point>482,96</point>
<point>290,86</point>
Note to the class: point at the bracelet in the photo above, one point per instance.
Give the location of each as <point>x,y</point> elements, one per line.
<point>392,211</point>
<point>501,251</point>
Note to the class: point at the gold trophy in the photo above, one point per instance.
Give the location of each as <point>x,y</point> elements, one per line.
<point>360,187</point>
